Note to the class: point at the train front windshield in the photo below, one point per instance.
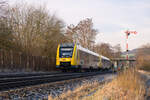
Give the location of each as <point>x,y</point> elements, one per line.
<point>66,52</point>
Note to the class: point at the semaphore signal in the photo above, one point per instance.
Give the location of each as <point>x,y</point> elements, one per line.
<point>127,35</point>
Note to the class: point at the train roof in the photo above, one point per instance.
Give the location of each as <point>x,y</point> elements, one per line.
<point>105,57</point>
<point>91,52</point>
<point>87,51</point>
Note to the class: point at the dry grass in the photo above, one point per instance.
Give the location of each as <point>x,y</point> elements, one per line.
<point>78,93</point>
<point>127,86</point>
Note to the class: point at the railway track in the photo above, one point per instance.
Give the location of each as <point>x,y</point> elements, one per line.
<point>8,82</point>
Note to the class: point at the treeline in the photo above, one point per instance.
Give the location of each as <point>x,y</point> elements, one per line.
<point>35,32</point>
<point>30,30</point>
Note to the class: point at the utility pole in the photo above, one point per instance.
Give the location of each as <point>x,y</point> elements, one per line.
<point>127,45</point>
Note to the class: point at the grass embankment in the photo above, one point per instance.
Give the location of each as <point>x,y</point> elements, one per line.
<point>127,86</point>
<point>78,93</point>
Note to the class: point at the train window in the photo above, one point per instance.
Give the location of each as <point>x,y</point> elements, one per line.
<point>65,52</point>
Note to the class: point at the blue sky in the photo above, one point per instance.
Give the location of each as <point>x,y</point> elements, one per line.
<point>110,17</point>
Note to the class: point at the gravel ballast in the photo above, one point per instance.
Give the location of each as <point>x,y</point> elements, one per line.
<point>43,91</point>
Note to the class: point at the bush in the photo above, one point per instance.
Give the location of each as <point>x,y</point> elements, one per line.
<point>144,62</point>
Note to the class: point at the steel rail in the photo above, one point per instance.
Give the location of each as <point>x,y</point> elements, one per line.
<point>4,80</point>
<point>27,74</point>
<point>29,81</point>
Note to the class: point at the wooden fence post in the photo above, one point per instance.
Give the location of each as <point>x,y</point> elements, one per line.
<point>20,60</point>
<point>11,53</point>
<point>27,63</point>
<point>13,61</point>
<point>2,60</point>
<point>33,63</point>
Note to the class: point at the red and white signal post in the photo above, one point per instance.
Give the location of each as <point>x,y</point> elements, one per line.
<point>127,46</point>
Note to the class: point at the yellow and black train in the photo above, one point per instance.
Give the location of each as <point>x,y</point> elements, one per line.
<point>74,57</point>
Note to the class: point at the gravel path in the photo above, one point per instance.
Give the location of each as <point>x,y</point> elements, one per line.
<point>42,92</point>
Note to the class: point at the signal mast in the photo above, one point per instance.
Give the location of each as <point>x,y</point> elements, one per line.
<point>127,46</point>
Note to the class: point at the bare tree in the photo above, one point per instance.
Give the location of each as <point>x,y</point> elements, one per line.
<point>104,49</point>
<point>5,30</point>
<point>83,33</point>
<point>3,8</point>
<point>35,31</point>
<point>32,31</point>
<point>117,51</point>
<point>5,35</point>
